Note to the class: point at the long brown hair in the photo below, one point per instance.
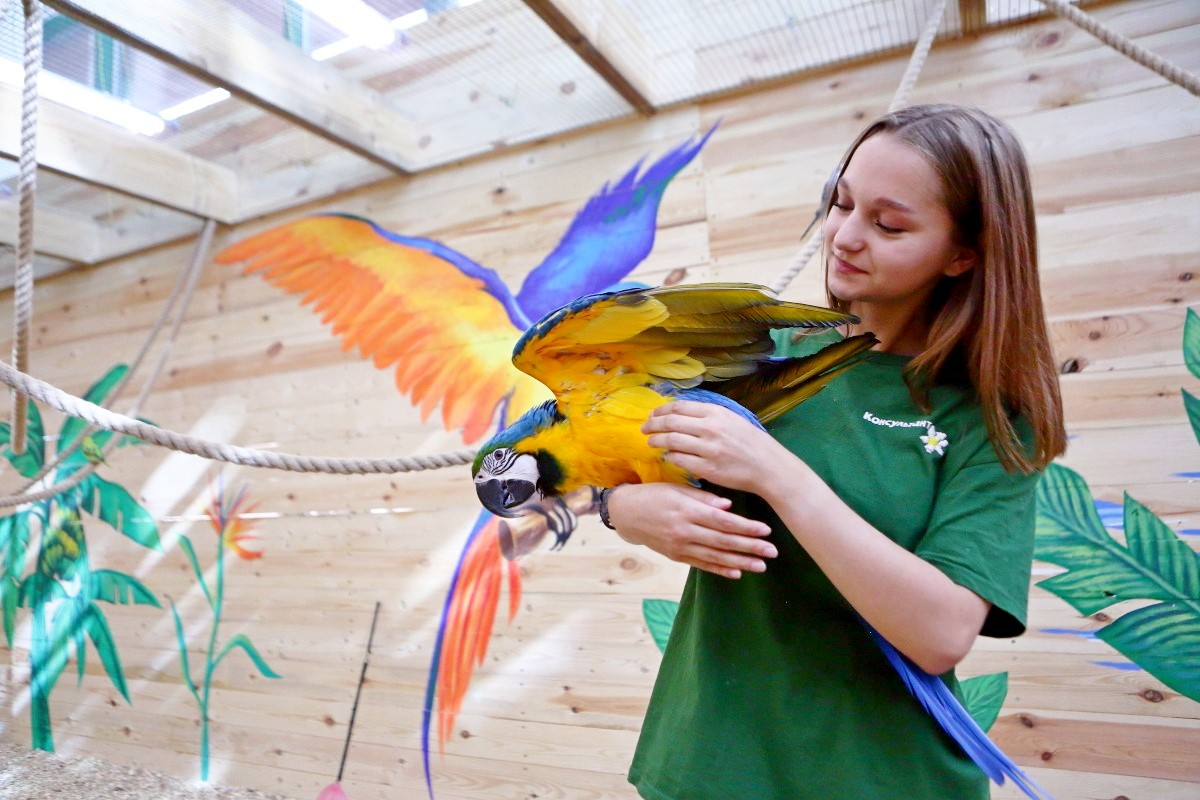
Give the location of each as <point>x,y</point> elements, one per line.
<point>988,323</point>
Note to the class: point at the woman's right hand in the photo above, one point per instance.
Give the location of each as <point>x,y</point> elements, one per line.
<point>691,526</point>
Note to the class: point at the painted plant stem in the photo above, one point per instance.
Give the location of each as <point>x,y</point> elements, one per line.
<point>225,516</point>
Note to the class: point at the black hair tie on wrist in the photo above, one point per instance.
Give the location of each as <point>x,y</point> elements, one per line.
<point>603,506</point>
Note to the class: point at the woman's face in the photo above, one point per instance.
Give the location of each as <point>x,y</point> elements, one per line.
<point>889,236</point>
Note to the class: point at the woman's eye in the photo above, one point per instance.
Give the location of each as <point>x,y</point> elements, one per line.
<point>887,228</point>
<point>840,206</point>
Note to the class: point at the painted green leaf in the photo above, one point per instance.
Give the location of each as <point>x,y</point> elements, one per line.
<point>1155,564</point>
<point>106,648</point>
<point>185,544</point>
<point>1191,404</point>
<point>14,544</point>
<point>983,696</point>
<point>660,616</point>
<point>29,462</point>
<point>117,587</point>
<point>242,642</point>
<point>116,506</point>
<point>97,394</point>
<point>1191,342</point>
<point>183,653</point>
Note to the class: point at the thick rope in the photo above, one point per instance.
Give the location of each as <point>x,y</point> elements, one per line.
<point>185,285</point>
<point>900,99</point>
<point>26,189</point>
<point>245,456</point>
<point>1125,46</point>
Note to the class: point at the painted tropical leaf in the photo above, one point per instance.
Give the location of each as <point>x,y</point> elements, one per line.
<point>74,426</point>
<point>983,697</point>
<point>1191,342</point>
<point>243,642</point>
<point>29,462</point>
<point>116,506</point>
<point>117,587</point>
<point>659,616</point>
<point>1155,564</point>
<point>14,544</point>
<point>1191,404</point>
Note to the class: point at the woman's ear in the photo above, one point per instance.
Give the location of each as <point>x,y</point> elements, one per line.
<point>964,260</point>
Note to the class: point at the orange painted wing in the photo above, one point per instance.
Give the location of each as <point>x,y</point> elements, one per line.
<point>446,332</point>
<point>468,622</point>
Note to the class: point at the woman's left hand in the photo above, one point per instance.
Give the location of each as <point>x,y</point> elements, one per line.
<point>715,444</point>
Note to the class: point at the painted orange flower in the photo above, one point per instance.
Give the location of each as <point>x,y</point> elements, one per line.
<point>225,514</point>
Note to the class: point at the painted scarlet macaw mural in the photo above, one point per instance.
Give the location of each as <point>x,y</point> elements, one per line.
<point>387,295</point>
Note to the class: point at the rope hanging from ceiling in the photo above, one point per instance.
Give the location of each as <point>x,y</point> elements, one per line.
<point>25,385</point>
<point>27,192</point>
<point>900,99</point>
<point>184,288</point>
<point>1125,46</point>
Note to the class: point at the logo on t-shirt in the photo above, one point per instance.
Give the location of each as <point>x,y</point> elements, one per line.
<point>935,441</point>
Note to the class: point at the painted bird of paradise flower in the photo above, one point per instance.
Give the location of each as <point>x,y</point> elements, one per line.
<point>225,514</point>
<point>387,295</point>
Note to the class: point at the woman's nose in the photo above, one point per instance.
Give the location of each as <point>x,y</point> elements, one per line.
<point>846,233</point>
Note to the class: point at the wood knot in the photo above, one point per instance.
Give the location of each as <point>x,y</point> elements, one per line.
<point>628,563</point>
<point>274,349</point>
<point>1185,276</point>
<point>1152,695</point>
<point>464,733</point>
<point>424,141</point>
<point>567,88</point>
<point>675,276</point>
<point>1100,616</point>
<point>1094,335</point>
<point>328,720</point>
<point>1048,39</point>
<point>1026,720</point>
<point>1046,755</point>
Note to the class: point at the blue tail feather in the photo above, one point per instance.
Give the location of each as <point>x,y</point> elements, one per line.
<point>937,699</point>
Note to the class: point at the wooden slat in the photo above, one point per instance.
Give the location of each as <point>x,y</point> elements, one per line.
<point>55,234</point>
<point>214,42</point>
<point>79,146</point>
<point>558,18</point>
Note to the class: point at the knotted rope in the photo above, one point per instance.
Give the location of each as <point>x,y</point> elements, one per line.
<point>900,99</point>
<point>26,190</point>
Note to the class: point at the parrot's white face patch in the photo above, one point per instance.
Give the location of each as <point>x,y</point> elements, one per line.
<point>509,465</point>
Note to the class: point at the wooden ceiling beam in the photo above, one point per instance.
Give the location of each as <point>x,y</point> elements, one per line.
<point>220,45</point>
<point>592,55</point>
<point>54,233</point>
<point>80,146</point>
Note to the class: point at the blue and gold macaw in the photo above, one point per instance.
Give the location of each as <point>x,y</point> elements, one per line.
<point>387,295</point>
<point>611,358</point>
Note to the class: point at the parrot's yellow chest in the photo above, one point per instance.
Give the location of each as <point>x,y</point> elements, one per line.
<point>607,447</point>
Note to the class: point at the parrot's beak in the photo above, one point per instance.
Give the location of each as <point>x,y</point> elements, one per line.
<point>501,496</point>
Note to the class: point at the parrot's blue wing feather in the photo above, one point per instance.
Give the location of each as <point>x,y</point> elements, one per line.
<point>937,699</point>
<point>609,237</point>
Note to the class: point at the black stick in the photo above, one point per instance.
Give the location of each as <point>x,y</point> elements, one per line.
<point>358,693</point>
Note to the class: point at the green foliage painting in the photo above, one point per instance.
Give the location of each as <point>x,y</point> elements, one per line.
<point>61,589</point>
<point>1191,358</point>
<point>982,695</point>
<point>225,515</point>
<point>1154,566</point>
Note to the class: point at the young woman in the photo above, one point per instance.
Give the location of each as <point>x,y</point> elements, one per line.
<point>902,494</point>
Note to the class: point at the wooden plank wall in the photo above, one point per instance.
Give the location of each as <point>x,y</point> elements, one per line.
<point>555,709</point>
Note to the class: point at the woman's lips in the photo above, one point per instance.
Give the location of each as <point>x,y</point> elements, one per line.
<point>846,268</point>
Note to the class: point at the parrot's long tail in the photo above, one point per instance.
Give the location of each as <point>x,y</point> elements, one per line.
<point>937,699</point>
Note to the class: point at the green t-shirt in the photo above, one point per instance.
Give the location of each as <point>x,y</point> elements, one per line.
<point>770,688</point>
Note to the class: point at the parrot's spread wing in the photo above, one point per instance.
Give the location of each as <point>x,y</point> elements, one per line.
<point>392,297</point>
<point>601,346</point>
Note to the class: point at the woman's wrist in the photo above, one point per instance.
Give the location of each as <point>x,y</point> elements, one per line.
<point>603,506</point>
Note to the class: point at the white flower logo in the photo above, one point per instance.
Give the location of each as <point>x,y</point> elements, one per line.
<point>935,441</point>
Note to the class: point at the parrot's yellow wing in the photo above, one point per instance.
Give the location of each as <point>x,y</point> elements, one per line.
<point>445,323</point>
<point>606,347</point>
